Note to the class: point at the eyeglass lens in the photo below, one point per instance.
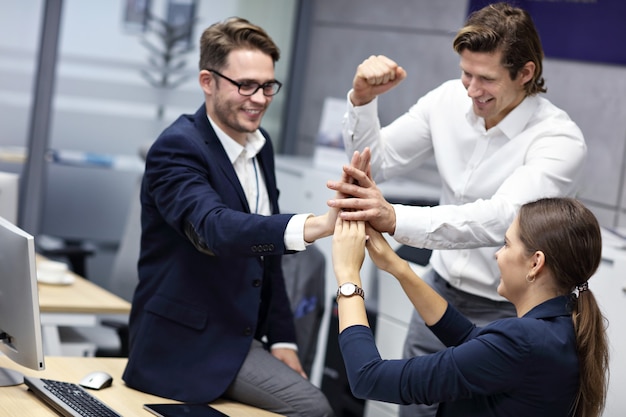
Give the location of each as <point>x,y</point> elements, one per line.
<point>250,88</point>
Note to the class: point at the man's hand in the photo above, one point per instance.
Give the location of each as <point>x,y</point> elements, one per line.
<point>375,76</point>
<point>367,204</point>
<point>290,358</point>
<point>360,161</point>
<point>317,227</point>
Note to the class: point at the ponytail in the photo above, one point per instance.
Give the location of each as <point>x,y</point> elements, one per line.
<point>593,354</point>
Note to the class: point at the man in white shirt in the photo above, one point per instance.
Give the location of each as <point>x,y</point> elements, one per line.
<point>496,143</point>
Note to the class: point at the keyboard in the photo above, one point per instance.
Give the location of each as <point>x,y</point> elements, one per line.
<point>68,399</point>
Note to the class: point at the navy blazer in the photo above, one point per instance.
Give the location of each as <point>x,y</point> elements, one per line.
<point>210,277</point>
<point>524,366</point>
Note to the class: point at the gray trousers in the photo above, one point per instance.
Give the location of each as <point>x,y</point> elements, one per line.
<point>267,383</point>
<point>420,340</point>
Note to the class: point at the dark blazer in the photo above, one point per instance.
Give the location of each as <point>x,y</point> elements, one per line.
<point>210,277</point>
<point>514,367</point>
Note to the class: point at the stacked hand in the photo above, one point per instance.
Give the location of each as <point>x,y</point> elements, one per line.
<point>349,242</point>
<point>368,203</point>
<point>364,212</point>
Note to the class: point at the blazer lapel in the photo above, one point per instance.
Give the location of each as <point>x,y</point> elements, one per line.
<point>266,161</point>
<point>218,155</point>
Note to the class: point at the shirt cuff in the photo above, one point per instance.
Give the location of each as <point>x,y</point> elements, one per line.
<point>294,232</point>
<point>367,111</point>
<point>413,224</point>
<point>285,345</point>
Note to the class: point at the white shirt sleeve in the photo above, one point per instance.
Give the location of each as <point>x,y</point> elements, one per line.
<point>284,345</point>
<point>294,232</point>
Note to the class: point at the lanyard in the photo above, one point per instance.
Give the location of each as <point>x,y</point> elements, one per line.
<point>258,193</point>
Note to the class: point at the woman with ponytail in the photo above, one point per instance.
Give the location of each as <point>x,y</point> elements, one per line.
<point>551,360</point>
<point>568,234</point>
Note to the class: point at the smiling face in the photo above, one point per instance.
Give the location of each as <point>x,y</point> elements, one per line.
<point>235,114</point>
<point>514,264</point>
<point>490,87</point>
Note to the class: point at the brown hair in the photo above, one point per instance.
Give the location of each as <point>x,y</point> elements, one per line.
<point>510,30</point>
<point>220,39</point>
<point>569,236</point>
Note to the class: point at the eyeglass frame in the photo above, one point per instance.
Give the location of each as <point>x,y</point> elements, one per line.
<point>261,87</point>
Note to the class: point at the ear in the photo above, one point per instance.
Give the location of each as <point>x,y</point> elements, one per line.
<point>527,72</point>
<point>207,82</point>
<point>537,262</point>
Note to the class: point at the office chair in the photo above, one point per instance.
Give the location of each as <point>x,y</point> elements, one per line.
<point>111,336</point>
<point>124,278</point>
<point>305,281</point>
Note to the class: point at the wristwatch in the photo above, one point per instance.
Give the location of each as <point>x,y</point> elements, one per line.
<point>349,289</point>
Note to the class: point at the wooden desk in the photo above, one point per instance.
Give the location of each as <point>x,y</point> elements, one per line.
<point>77,304</point>
<point>18,401</point>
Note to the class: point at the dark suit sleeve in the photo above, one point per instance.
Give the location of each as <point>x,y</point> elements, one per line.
<point>196,190</point>
<point>493,362</point>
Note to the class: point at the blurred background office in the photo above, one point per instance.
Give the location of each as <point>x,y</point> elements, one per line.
<point>117,79</point>
<point>112,92</point>
<point>110,79</point>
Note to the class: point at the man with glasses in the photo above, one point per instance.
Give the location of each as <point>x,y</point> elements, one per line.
<point>210,315</point>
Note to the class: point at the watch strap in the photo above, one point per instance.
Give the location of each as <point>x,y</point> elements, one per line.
<point>357,291</point>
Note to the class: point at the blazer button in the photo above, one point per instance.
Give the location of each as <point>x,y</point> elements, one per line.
<point>254,249</point>
<point>247,331</point>
<point>256,283</point>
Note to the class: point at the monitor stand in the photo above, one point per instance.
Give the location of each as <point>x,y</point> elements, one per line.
<point>9,377</point>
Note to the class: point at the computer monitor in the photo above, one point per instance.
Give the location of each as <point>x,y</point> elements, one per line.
<point>9,195</point>
<point>20,326</point>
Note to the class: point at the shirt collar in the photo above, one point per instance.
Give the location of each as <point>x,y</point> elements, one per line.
<point>255,141</point>
<point>554,307</point>
<point>514,122</point>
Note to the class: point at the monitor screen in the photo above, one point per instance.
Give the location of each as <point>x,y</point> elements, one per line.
<point>20,327</point>
<point>9,195</point>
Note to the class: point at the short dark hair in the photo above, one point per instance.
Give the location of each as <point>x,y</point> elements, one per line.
<point>221,38</point>
<point>511,30</point>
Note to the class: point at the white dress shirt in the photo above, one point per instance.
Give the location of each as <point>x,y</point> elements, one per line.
<point>535,151</point>
<point>251,178</point>
<point>252,181</point>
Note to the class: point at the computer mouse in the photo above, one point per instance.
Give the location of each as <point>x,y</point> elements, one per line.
<point>96,380</point>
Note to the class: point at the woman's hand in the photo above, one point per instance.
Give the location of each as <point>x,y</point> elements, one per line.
<point>348,250</point>
<point>381,252</point>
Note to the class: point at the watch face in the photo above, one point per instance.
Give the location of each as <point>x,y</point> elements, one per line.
<point>348,289</point>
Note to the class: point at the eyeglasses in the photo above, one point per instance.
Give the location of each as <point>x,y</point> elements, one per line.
<point>249,88</point>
